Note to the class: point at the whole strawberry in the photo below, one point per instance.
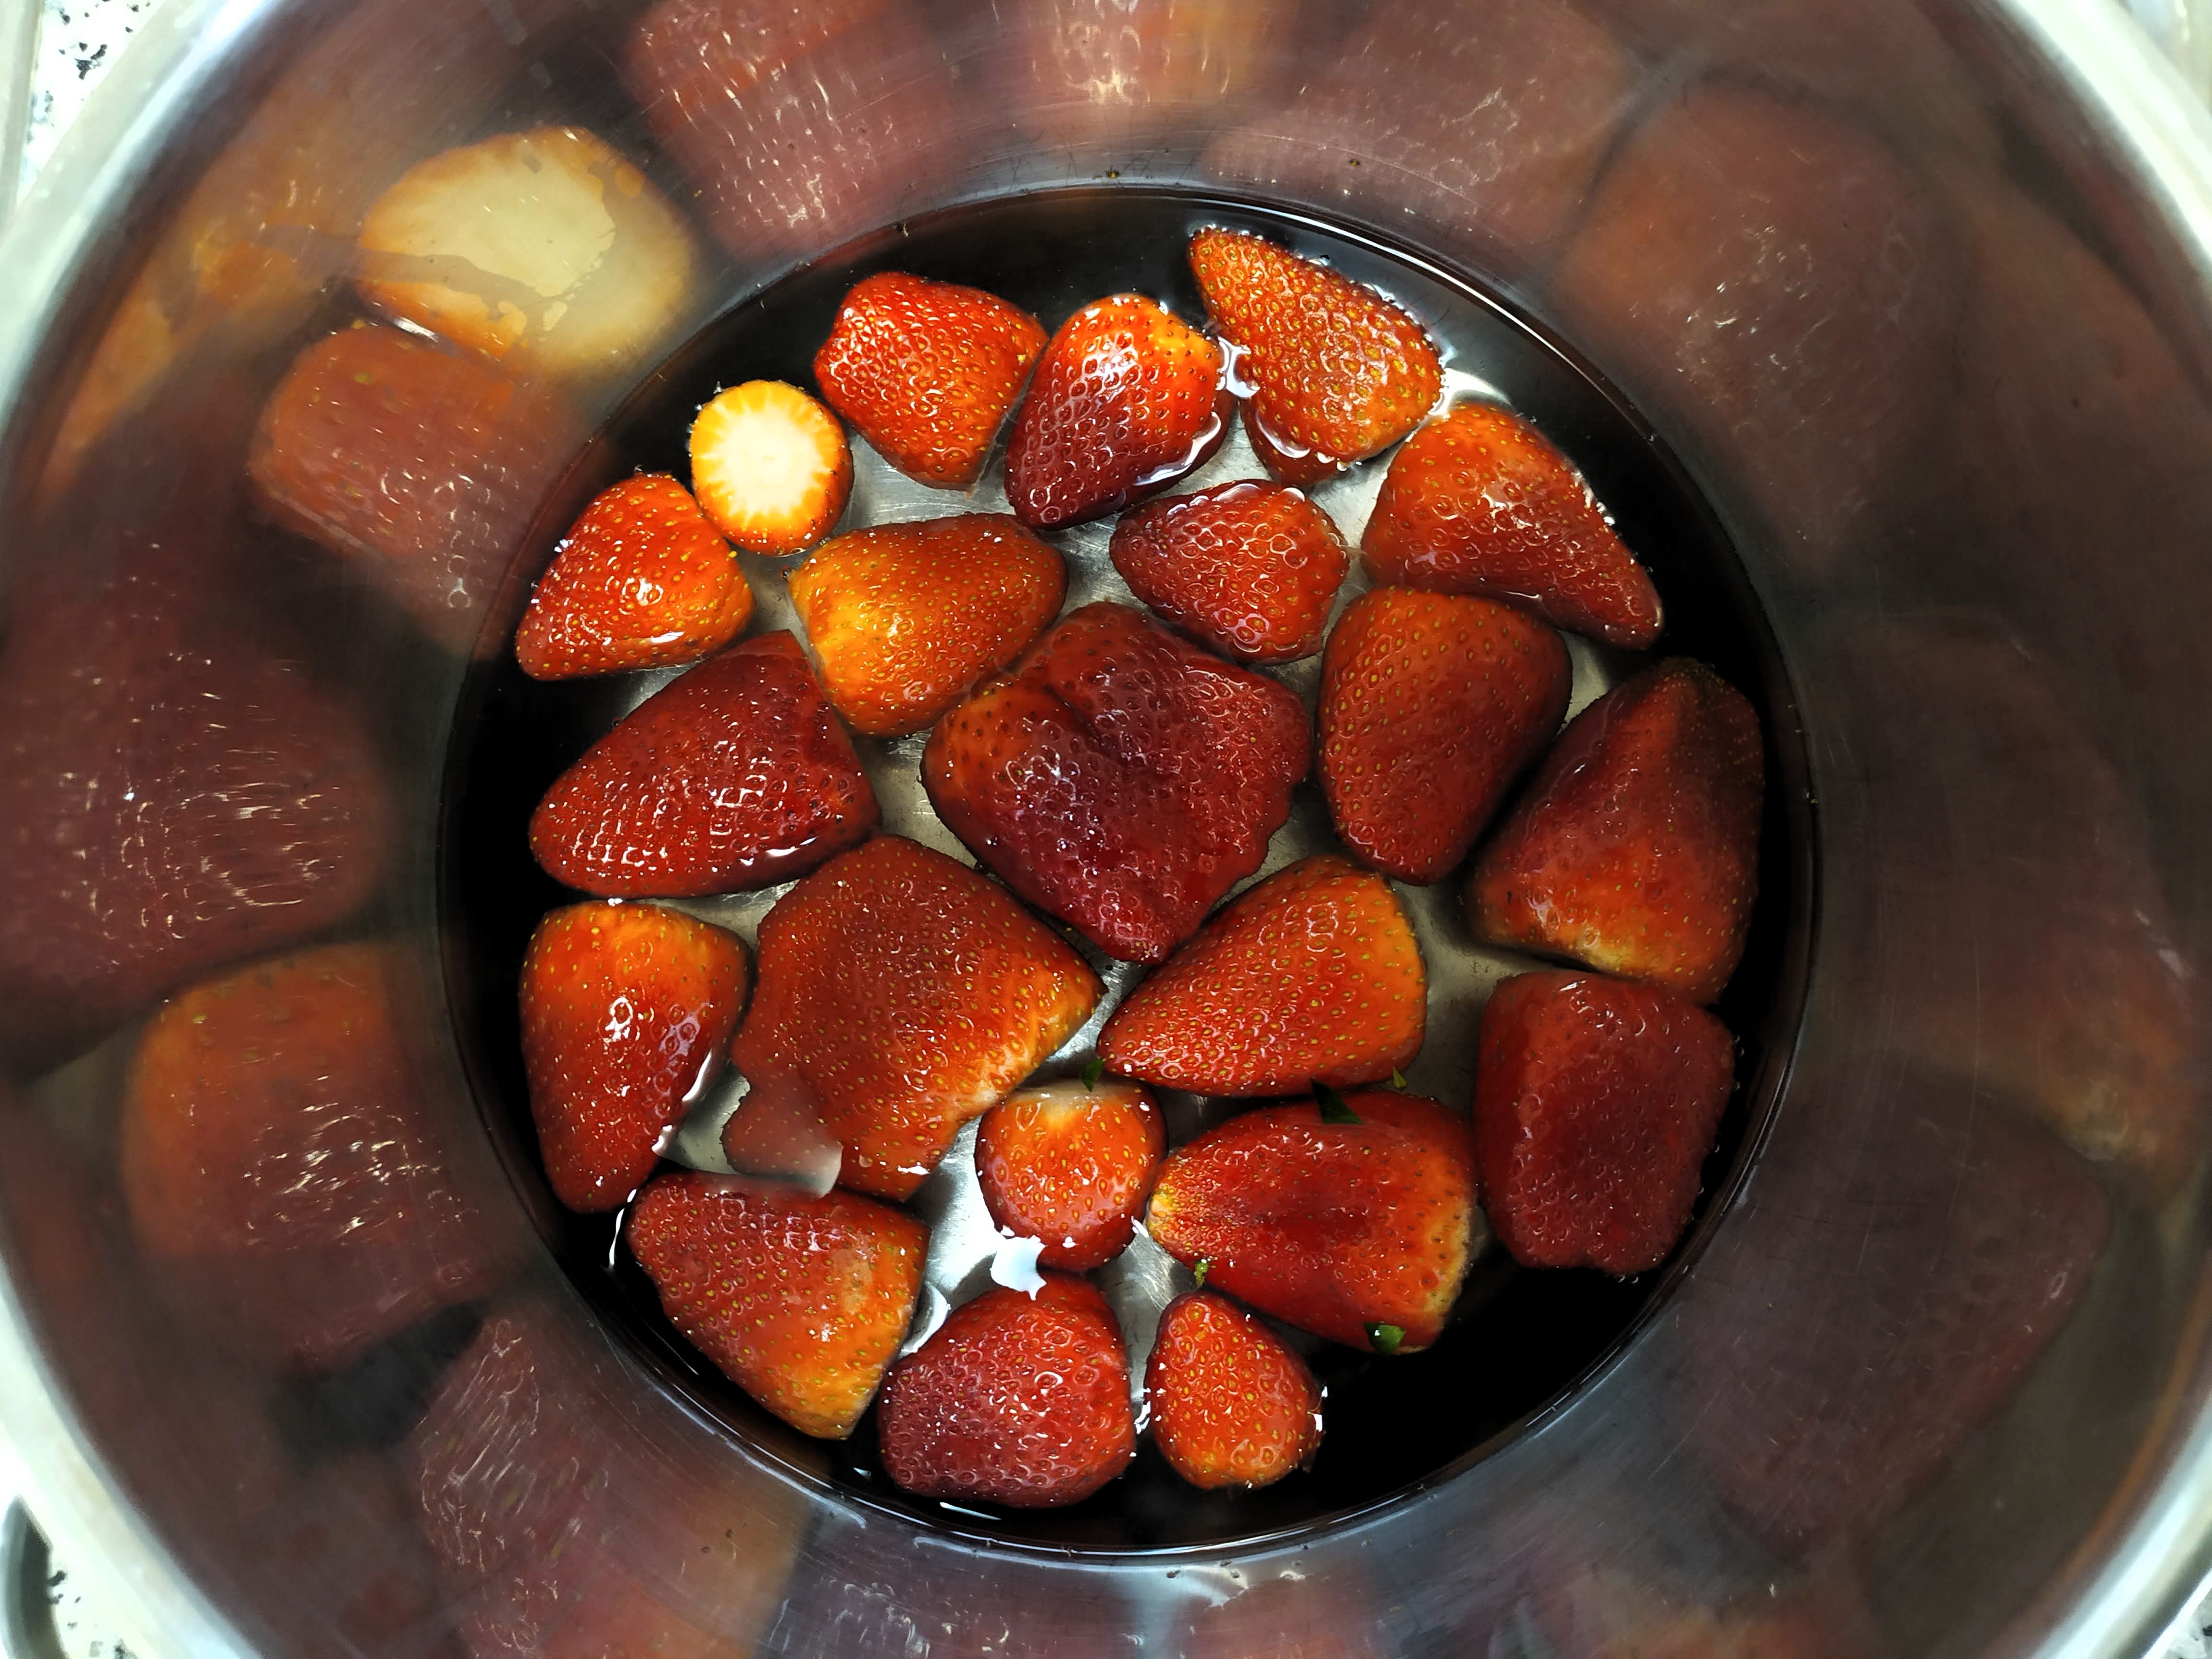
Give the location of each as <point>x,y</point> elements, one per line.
<point>1230,1405</point>
<point>1249,568</point>
<point>1071,1164</point>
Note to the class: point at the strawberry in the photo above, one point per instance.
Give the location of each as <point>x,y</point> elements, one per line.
<point>624,1007</point>
<point>770,466</point>
<point>801,1301</point>
<point>1350,1220</point>
<point>905,617</point>
<point>1338,372</point>
<point>643,580</point>
<point>1312,973</point>
<point>1481,503</point>
<point>1635,847</point>
<point>1071,1163</point>
<point>1595,1101</point>
<point>1431,705</point>
<point>1249,568</point>
<point>1018,1400</point>
<point>1230,1405</point>
<point>926,371</point>
<point>1127,399</point>
<point>1120,778</point>
<point>901,994</point>
<point>734,776</point>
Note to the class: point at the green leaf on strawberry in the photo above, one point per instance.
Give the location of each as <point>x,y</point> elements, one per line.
<point>1385,1339</point>
<point>1333,1107</point>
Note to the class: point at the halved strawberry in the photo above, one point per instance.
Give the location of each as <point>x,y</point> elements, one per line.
<point>1314,973</point>
<point>1250,568</point>
<point>1480,502</point>
<point>771,466</point>
<point>1431,705</point>
<point>1339,371</point>
<point>1018,1400</point>
<point>1351,1220</point>
<point>1230,1405</point>
<point>1071,1164</point>
<point>623,1007</point>
<point>734,776</point>
<point>905,617</point>
<point>1127,399</point>
<point>643,580</point>
<point>927,371</point>
<point>900,993</point>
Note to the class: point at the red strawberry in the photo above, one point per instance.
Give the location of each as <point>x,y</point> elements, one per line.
<point>1312,973</point>
<point>1595,1101</point>
<point>1481,503</point>
<point>927,371</point>
<point>623,1007</point>
<point>1120,778</point>
<point>1230,1405</point>
<point>734,776</point>
<point>1431,705</point>
<point>643,580</point>
<point>801,1301</point>
<point>902,994</point>
<point>1351,1220</point>
<point>1635,847</point>
<point>1071,1164</point>
<point>905,617</point>
<point>1250,568</point>
<point>1340,373</point>
<point>770,466</point>
<point>1127,399</point>
<point>1022,1401</point>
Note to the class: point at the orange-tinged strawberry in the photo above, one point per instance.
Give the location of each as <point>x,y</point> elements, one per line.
<point>927,371</point>
<point>1071,1164</point>
<point>1126,398</point>
<point>801,1301</point>
<point>1250,568</point>
<point>770,466</point>
<point>906,617</point>
<point>1431,705</point>
<point>1635,847</point>
<point>900,994</point>
<point>643,580</point>
<point>623,1007</point>
<point>1313,973</point>
<point>1480,502</point>
<point>1230,1405</point>
<point>1338,372</point>
<point>1350,1220</point>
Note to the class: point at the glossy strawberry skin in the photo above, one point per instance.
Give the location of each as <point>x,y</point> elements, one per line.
<point>1432,707</point>
<point>1331,1227</point>
<point>734,776</point>
<point>1015,1400</point>
<point>801,1301</point>
<point>1635,847</point>
<point>623,1007</point>
<point>1249,568</point>
<point>906,617</point>
<point>1230,1405</point>
<point>1120,778</point>
<point>927,371</point>
<point>1125,399</point>
<point>1479,502</point>
<point>1596,1102</point>
<point>1071,1164</point>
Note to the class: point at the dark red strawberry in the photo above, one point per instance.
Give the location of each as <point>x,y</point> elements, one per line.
<point>1230,1405</point>
<point>1127,399</point>
<point>1635,847</point>
<point>1018,1400</point>
<point>1431,705</point>
<point>927,371</point>
<point>1481,503</point>
<point>1120,778</point>
<point>1250,568</point>
<point>1071,1164</point>
<point>734,776</point>
<point>1596,1102</point>
<point>1349,1220</point>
